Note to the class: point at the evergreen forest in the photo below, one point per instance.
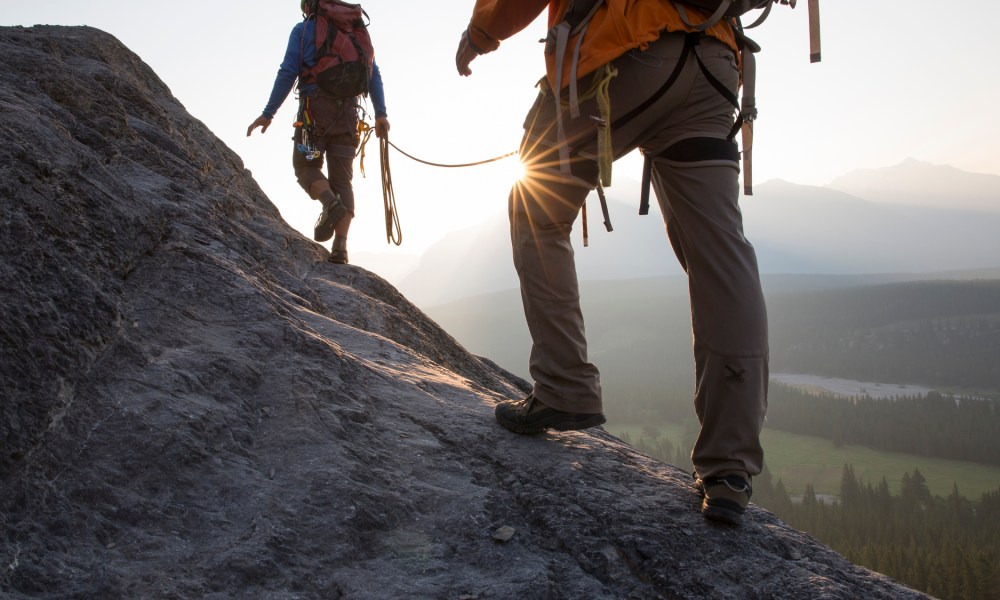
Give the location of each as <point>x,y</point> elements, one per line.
<point>934,333</point>
<point>946,547</point>
<point>933,425</point>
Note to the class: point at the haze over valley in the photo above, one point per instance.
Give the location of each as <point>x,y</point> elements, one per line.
<point>796,229</point>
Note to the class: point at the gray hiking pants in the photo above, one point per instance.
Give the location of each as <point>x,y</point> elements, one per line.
<point>695,178</point>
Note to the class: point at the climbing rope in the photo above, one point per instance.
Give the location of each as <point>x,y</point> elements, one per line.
<point>393,233</point>
<point>451,166</point>
<point>365,131</point>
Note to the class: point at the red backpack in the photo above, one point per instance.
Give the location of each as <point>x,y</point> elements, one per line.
<point>344,53</point>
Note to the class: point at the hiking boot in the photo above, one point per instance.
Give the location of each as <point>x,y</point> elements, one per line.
<point>338,251</point>
<point>333,211</point>
<point>725,497</point>
<point>338,256</point>
<point>530,416</point>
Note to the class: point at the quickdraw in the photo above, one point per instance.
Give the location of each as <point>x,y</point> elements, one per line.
<point>306,124</point>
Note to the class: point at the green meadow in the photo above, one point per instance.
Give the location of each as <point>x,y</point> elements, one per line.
<point>799,460</point>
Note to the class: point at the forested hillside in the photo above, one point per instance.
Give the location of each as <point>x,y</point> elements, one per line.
<point>933,425</point>
<point>940,334</point>
<point>947,546</point>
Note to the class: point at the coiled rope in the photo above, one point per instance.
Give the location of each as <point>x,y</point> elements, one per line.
<point>393,232</point>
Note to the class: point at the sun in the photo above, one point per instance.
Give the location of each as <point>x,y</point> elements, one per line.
<point>513,168</point>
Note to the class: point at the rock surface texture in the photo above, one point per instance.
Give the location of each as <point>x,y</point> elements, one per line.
<point>196,405</point>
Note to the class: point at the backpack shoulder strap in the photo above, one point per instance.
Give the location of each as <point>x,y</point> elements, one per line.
<point>575,22</point>
<point>712,20</point>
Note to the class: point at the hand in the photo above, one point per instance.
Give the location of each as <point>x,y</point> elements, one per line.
<point>465,55</point>
<point>262,122</point>
<point>382,127</point>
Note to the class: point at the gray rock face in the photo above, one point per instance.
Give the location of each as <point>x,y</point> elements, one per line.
<point>196,405</point>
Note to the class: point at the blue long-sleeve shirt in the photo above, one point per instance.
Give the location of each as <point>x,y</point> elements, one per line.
<point>301,54</point>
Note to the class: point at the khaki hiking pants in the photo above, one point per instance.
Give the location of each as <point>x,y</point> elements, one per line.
<point>695,178</point>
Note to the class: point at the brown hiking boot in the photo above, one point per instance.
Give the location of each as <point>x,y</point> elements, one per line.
<point>333,211</point>
<point>338,256</point>
<point>338,253</point>
<point>530,416</point>
<point>725,497</point>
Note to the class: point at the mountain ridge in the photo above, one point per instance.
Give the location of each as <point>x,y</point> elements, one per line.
<point>796,229</point>
<point>918,183</point>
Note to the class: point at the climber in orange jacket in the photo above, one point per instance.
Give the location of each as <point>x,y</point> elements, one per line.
<point>640,78</point>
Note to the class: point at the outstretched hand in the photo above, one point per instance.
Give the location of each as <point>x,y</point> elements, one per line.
<point>465,55</point>
<point>262,122</point>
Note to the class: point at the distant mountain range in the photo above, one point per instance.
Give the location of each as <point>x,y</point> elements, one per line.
<point>916,183</point>
<point>912,218</point>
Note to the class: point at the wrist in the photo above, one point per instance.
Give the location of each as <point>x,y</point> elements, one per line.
<point>472,45</point>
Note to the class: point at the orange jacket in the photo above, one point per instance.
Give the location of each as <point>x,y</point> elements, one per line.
<point>619,26</point>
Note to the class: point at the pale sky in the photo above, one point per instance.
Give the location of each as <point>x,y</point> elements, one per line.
<point>895,83</point>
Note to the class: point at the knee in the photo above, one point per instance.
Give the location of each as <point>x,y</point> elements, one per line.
<point>307,176</point>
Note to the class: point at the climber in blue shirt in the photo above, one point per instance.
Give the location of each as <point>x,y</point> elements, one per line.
<point>329,109</point>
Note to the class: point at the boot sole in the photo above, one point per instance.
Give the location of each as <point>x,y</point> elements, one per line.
<point>720,514</point>
<point>585,422</point>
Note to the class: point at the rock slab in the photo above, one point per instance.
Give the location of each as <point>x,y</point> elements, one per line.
<point>195,404</point>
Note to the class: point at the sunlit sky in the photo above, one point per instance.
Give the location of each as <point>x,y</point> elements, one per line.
<point>895,83</point>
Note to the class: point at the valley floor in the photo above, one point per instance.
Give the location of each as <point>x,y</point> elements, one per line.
<point>799,460</point>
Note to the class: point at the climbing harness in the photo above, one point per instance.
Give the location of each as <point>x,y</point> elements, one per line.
<point>575,22</point>
<point>306,124</point>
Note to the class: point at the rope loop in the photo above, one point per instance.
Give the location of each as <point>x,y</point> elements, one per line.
<point>393,232</point>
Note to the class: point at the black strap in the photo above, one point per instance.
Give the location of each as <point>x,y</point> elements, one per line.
<point>687,150</point>
<point>690,41</point>
<point>604,207</point>
<point>647,178</point>
<point>702,148</point>
<point>728,94</point>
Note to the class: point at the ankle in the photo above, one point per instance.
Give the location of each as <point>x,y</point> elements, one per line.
<point>328,197</point>
<point>727,473</point>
